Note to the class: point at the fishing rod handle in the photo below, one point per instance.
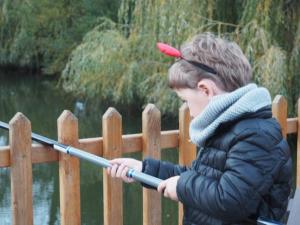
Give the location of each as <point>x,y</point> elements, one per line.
<point>144,178</point>
<point>138,176</point>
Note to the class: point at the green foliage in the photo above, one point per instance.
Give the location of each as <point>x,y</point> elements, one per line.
<point>106,49</point>
<point>42,33</point>
<point>136,72</point>
<point>293,76</point>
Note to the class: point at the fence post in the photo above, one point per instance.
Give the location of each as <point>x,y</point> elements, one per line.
<point>112,148</point>
<point>69,171</point>
<point>151,122</point>
<point>298,148</point>
<point>279,111</point>
<point>187,150</point>
<point>21,169</point>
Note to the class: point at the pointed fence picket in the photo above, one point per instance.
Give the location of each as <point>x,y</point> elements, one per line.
<point>69,171</point>
<point>20,154</point>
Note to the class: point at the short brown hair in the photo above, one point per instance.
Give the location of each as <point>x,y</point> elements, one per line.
<point>225,57</point>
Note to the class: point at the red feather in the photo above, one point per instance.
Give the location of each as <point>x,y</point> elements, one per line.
<point>168,50</point>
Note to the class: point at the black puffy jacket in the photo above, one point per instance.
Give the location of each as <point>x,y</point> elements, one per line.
<point>243,171</point>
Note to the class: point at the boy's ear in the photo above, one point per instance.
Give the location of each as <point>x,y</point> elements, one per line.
<point>207,87</point>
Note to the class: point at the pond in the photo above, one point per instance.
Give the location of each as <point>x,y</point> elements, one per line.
<point>40,99</point>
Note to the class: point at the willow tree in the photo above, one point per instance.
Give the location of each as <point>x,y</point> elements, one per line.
<point>119,61</point>
<point>40,34</point>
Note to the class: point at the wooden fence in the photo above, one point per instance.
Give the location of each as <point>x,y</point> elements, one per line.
<point>21,154</point>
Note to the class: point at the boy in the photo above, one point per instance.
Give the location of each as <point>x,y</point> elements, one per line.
<point>243,167</point>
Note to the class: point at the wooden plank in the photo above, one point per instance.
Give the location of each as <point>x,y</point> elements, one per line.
<point>42,153</point>
<point>133,142</point>
<point>169,139</point>
<point>92,145</point>
<point>69,171</point>
<point>279,110</point>
<point>292,125</point>
<point>21,169</point>
<point>112,148</point>
<point>5,156</point>
<point>187,151</point>
<point>298,149</point>
<point>294,216</point>
<point>151,120</point>
<point>130,142</point>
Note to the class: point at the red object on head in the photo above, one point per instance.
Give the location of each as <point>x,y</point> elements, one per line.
<point>168,50</point>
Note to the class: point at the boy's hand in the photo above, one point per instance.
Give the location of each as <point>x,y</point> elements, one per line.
<point>168,188</point>
<point>120,167</point>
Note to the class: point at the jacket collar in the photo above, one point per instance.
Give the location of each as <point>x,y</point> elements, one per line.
<point>244,102</point>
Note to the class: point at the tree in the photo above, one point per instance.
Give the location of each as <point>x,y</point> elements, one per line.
<point>119,61</point>
<point>40,34</point>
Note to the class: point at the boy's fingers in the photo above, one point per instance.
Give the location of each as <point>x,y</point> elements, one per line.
<point>166,194</point>
<point>113,170</point>
<point>124,176</point>
<point>120,170</point>
<point>161,187</point>
<point>124,172</point>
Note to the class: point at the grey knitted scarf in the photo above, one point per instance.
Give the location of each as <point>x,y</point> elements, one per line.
<point>227,107</point>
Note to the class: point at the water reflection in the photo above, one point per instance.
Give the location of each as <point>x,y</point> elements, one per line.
<point>3,140</point>
<point>5,198</point>
<point>42,103</point>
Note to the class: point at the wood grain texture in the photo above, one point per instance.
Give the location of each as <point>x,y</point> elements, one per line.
<point>151,127</point>
<point>187,150</point>
<point>279,111</point>
<point>21,169</point>
<point>112,148</point>
<point>292,125</point>
<point>130,142</point>
<point>69,171</point>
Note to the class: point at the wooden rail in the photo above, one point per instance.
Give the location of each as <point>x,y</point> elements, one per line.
<point>21,154</point>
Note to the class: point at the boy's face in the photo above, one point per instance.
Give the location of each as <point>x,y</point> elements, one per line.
<point>196,99</point>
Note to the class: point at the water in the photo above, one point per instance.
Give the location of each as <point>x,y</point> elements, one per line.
<point>42,103</point>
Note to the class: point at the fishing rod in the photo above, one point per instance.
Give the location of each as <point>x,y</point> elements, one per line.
<point>264,221</point>
<point>136,175</point>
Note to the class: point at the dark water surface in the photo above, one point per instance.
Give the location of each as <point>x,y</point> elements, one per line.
<point>42,103</point>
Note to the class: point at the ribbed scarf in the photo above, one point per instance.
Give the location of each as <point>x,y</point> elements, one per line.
<point>227,107</point>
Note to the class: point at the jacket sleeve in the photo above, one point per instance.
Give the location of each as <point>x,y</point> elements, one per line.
<point>252,162</point>
<point>161,169</point>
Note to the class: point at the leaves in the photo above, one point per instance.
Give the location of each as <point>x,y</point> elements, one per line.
<point>116,58</point>
<point>137,72</point>
<point>40,34</point>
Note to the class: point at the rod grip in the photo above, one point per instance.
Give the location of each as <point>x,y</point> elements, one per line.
<point>138,176</point>
<point>144,178</point>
